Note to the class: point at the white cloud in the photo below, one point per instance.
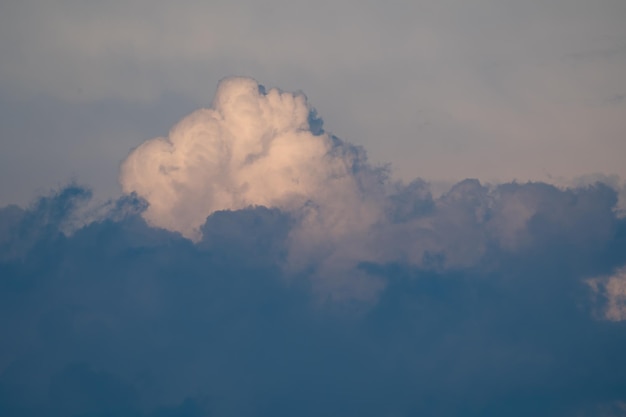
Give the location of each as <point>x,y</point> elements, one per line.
<point>256,148</point>
<point>251,148</point>
<point>613,288</point>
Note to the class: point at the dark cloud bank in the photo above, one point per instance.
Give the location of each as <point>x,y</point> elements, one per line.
<point>121,319</point>
<point>505,300</point>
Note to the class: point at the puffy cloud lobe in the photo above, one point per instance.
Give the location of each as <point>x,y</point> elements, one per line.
<point>613,290</point>
<point>251,148</point>
<point>265,148</point>
<point>474,223</point>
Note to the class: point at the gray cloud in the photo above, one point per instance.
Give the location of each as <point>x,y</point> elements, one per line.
<point>119,318</point>
<point>484,300</point>
<point>329,287</point>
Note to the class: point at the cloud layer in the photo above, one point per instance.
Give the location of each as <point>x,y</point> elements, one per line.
<point>260,266</point>
<point>123,319</point>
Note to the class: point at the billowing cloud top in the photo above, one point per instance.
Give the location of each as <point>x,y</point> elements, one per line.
<point>251,148</point>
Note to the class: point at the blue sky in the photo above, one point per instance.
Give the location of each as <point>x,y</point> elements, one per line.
<point>304,209</point>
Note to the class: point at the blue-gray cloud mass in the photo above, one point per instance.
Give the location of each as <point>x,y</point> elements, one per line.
<point>489,301</point>
<point>249,261</point>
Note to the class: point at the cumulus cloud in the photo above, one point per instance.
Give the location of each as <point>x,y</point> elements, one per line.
<point>259,266</point>
<point>261,148</point>
<point>258,147</point>
<point>251,148</point>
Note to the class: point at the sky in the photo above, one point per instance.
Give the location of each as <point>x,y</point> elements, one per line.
<point>441,90</point>
<point>304,209</point>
